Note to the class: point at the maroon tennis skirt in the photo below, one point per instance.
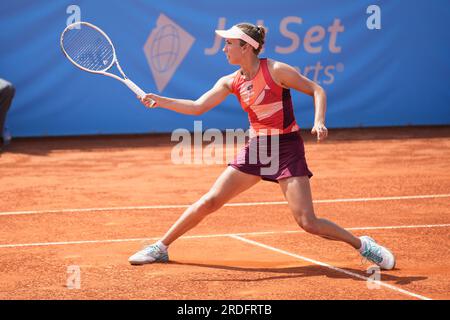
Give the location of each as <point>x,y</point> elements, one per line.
<point>273,157</point>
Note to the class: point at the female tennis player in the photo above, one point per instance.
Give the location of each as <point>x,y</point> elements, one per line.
<point>262,87</point>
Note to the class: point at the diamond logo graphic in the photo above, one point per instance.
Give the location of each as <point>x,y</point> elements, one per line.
<point>165,49</point>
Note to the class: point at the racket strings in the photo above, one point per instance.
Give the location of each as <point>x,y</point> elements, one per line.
<point>88,48</point>
<point>96,52</point>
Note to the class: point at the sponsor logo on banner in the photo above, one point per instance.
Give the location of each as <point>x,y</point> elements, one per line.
<point>322,41</point>
<point>165,49</point>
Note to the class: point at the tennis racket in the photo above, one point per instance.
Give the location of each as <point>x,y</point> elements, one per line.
<point>91,50</point>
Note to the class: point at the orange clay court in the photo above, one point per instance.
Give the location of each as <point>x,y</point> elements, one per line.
<point>92,202</point>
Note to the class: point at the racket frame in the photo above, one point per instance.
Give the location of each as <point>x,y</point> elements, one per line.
<point>125,80</point>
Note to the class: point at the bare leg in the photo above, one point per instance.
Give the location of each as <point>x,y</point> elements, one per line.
<point>297,192</point>
<point>229,184</point>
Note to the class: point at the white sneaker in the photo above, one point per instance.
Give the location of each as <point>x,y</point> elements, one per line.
<point>377,254</point>
<point>149,254</point>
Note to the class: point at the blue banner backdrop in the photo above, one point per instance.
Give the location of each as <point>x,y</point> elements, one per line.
<point>394,76</point>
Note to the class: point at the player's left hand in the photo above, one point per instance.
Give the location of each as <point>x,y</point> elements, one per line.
<point>320,130</point>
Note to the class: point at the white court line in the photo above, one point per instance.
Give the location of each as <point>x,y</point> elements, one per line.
<point>240,204</point>
<point>37,244</point>
<point>352,274</point>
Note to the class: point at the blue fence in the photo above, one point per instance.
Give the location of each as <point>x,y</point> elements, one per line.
<point>395,75</point>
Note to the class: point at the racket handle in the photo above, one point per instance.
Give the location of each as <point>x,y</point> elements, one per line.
<point>130,84</point>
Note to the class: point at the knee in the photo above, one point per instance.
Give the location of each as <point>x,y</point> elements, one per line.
<point>309,224</point>
<point>209,203</point>
<point>8,91</point>
<point>311,227</point>
<point>12,91</point>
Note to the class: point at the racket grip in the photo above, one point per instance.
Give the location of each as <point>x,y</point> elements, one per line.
<point>130,84</point>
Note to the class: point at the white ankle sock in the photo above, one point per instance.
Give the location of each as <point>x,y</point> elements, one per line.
<point>363,246</point>
<point>161,245</point>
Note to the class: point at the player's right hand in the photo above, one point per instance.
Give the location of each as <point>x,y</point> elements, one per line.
<point>149,100</point>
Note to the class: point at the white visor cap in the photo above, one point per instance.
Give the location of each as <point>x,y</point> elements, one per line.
<point>236,33</point>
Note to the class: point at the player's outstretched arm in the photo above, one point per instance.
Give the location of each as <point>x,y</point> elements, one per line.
<point>289,77</point>
<point>206,102</point>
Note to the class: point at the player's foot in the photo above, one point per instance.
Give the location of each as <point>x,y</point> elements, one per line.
<point>149,254</point>
<point>377,254</point>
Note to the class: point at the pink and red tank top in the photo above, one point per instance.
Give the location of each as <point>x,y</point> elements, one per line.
<point>268,105</point>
